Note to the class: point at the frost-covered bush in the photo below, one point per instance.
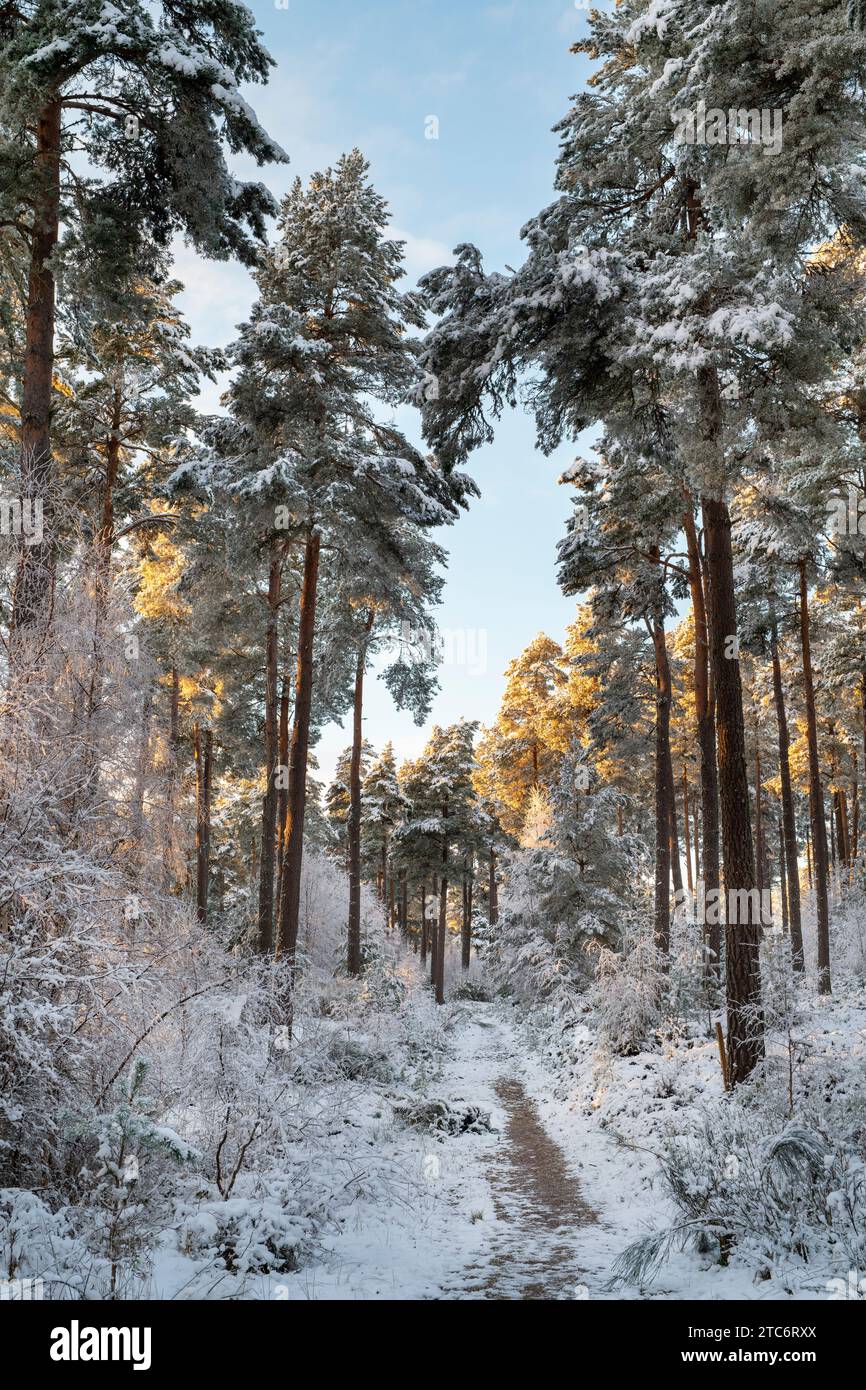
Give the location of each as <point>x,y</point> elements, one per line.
<point>127,1189</point>
<point>442,1117</point>
<point>849,932</point>
<point>627,995</point>
<point>252,1233</point>
<point>473,990</point>
<point>358,1060</point>
<point>571,890</point>
<point>786,1194</point>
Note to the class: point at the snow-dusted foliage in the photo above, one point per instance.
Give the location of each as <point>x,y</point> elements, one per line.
<point>572,891</point>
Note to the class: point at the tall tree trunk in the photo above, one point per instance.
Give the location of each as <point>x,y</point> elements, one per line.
<point>434,932</point>
<point>283,794</point>
<point>842,837</point>
<point>404,904</point>
<point>439,954</point>
<point>423,923</point>
<point>789,822</point>
<point>203,748</point>
<point>742,939</point>
<point>265,933</point>
<point>783,878</point>
<point>816,795</point>
<point>354,820</point>
<point>760,857</point>
<point>34,580</point>
<point>662,931</point>
<point>688,848</point>
<point>290,892</point>
<point>492,892</point>
<point>705,714</point>
<point>466,933</point>
<point>141,768</point>
<point>676,866</point>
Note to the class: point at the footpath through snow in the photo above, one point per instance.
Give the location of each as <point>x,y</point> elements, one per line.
<point>498,1215</point>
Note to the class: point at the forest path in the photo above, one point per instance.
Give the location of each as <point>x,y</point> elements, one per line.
<point>533,1252</point>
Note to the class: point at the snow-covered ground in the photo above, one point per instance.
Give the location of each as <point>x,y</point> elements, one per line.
<point>541,1206</point>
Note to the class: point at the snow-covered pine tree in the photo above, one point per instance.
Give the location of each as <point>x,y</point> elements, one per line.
<point>303,448</point>
<point>660,287</point>
<point>388,604</point>
<point>382,808</point>
<point>443,818</point>
<point>147,98</point>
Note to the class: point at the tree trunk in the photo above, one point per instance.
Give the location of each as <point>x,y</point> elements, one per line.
<point>423,923</point>
<point>141,768</point>
<point>353,825</point>
<point>290,892</point>
<point>759,825</point>
<point>783,878</point>
<point>493,896</point>
<point>283,794</point>
<point>662,791</point>
<point>688,848</point>
<point>706,728</point>
<point>789,823</point>
<point>439,954</point>
<point>816,796</point>
<point>203,749</point>
<point>742,939</point>
<point>466,934</point>
<point>433,934</point>
<point>265,935</point>
<point>34,580</point>
<point>676,866</point>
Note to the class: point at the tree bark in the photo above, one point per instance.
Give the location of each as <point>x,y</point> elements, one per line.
<point>706,729</point>
<point>290,892</point>
<point>783,878</point>
<point>439,953</point>
<point>34,579</point>
<point>492,892</point>
<point>283,794</point>
<point>466,934</point>
<point>742,939</point>
<point>662,931</point>
<point>265,936</point>
<point>688,848</point>
<point>816,795</point>
<point>789,823</point>
<point>354,820</point>
<point>203,748</point>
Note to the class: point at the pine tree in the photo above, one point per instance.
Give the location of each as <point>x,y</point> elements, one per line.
<point>147,97</point>
<point>657,291</point>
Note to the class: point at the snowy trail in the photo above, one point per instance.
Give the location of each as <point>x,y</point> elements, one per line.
<point>487,1216</point>
<point>534,1246</point>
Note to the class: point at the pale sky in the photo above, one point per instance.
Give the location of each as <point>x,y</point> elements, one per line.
<point>372,73</point>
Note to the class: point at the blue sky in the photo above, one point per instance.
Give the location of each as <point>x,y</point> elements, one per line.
<point>496,77</point>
